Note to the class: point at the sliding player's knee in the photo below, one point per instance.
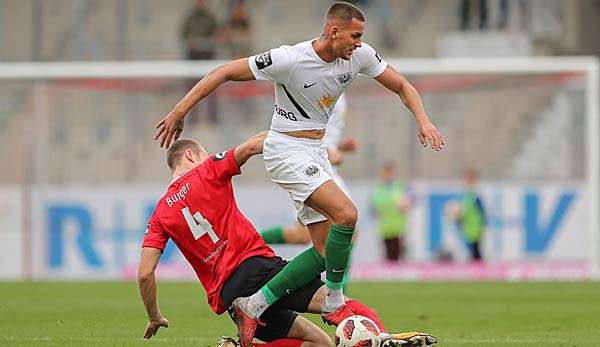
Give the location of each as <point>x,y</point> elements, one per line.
<point>308,332</point>
<point>319,338</point>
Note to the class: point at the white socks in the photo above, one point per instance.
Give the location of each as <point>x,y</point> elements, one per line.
<point>257,304</point>
<point>334,298</point>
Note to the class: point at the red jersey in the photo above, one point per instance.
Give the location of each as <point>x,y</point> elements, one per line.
<point>200,214</point>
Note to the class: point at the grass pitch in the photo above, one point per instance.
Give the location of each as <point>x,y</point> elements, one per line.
<point>460,314</point>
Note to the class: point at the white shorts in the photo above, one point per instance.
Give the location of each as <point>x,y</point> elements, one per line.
<point>337,178</point>
<point>299,166</point>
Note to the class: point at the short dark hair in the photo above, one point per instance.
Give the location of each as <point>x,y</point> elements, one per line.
<point>177,149</point>
<point>345,12</point>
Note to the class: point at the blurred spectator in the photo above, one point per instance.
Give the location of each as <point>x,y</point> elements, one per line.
<point>524,14</point>
<point>391,202</point>
<point>470,216</point>
<point>465,13</point>
<point>199,34</point>
<point>482,7</point>
<point>237,33</point>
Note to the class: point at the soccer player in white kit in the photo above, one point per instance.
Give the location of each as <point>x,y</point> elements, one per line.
<point>309,77</point>
<point>336,151</point>
<point>337,148</point>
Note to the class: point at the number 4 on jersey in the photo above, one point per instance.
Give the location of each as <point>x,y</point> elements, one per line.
<point>199,225</point>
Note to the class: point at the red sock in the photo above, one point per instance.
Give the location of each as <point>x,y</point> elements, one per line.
<point>363,310</point>
<point>281,343</point>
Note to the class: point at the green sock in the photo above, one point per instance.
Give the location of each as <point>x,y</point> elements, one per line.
<point>347,275</point>
<point>337,253</point>
<point>272,235</point>
<point>295,275</point>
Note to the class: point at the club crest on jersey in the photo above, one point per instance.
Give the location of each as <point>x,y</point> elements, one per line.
<point>344,78</point>
<point>220,156</point>
<point>312,171</point>
<point>263,60</point>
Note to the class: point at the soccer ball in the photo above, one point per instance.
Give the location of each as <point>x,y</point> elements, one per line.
<point>357,331</point>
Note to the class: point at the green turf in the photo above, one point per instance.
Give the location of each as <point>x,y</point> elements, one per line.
<point>460,314</point>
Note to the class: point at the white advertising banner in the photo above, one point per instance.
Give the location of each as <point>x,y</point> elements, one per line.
<point>10,232</point>
<point>95,232</point>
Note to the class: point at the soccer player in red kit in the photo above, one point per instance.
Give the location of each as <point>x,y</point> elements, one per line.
<point>199,213</point>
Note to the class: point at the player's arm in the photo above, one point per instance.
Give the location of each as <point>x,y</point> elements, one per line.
<point>147,286</point>
<point>394,81</point>
<point>171,126</point>
<point>251,147</point>
<point>336,154</point>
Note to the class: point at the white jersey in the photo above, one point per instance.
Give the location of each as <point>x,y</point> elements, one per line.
<point>306,87</point>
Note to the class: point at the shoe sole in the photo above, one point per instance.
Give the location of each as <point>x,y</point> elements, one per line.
<point>415,341</point>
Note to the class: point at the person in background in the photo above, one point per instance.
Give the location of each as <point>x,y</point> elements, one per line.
<point>465,14</point>
<point>238,30</point>
<point>470,216</point>
<point>199,34</point>
<point>391,202</point>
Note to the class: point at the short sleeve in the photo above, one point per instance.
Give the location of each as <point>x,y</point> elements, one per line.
<point>156,236</point>
<point>272,65</point>
<point>224,166</point>
<point>370,61</point>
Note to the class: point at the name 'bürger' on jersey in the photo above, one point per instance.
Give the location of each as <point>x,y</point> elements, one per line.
<point>306,87</point>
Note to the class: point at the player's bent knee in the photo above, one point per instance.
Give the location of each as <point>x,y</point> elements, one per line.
<point>348,216</point>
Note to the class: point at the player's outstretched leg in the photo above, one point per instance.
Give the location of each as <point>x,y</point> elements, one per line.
<point>305,267</point>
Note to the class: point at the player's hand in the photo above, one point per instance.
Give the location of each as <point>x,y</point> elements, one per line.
<point>335,157</point>
<point>259,140</point>
<point>154,325</point>
<point>429,133</point>
<point>169,128</point>
<point>349,145</point>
